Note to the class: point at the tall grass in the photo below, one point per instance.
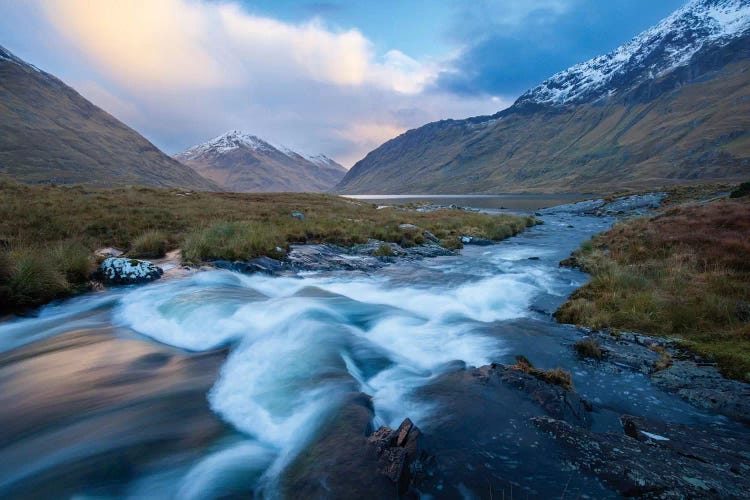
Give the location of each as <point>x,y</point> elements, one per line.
<point>683,274</point>
<point>33,276</point>
<point>151,244</point>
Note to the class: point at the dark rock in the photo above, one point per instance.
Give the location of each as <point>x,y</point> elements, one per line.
<point>678,462</point>
<point>691,378</point>
<point>473,240</point>
<point>399,456</point>
<point>430,237</point>
<point>533,258</point>
<point>262,265</point>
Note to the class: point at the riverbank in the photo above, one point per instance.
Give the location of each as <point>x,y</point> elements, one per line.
<point>48,233</point>
<point>683,273</point>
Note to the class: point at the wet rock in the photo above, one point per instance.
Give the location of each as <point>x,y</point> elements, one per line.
<point>698,382</point>
<point>634,205</point>
<point>430,237</point>
<point>122,271</point>
<point>556,401</point>
<point>262,265</point>
<point>327,257</point>
<point>399,456</point>
<point>473,240</point>
<point>658,465</point>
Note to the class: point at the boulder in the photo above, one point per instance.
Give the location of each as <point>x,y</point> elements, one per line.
<point>399,456</point>
<point>261,265</point>
<point>122,271</point>
<point>298,215</point>
<point>431,237</point>
<point>473,240</point>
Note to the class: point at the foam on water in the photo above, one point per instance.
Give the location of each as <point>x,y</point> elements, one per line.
<point>302,345</point>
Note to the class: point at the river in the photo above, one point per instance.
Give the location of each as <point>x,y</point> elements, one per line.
<point>211,385</point>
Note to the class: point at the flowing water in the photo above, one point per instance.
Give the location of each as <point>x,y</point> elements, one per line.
<point>294,348</point>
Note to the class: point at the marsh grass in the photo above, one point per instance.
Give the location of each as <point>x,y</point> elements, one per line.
<point>683,274</point>
<point>146,222</point>
<point>151,245</point>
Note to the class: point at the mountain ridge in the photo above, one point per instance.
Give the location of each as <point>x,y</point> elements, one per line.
<point>49,133</point>
<point>487,154</point>
<point>242,162</point>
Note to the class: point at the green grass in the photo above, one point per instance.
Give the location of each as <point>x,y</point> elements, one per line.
<point>147,222</point>
<point>684,274</point>
<point>383,250</point>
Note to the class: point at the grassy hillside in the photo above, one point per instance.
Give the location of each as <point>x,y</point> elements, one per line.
<point>47,233</point>
<point>684,274</point>
<point>50,134</point>
<point>698,132</point>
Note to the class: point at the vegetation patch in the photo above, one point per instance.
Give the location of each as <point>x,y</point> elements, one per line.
<point>151,244</point>
<point>683,274</point>
<point>383,250</point>
<point>35,220</point>
<point>556,376</point>
<point>588,348</point>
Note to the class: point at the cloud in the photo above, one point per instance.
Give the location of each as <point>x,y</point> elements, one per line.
<point>191,44</point>
<point>509,47</point>
<point>183,71</point>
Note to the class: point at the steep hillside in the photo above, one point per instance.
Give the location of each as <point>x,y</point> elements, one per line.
<point>245,163</point>
<point>50,134</point>
<point>672,105</point>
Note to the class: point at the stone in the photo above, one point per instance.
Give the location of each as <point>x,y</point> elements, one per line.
<point>298,215</point>
<point>408,227</point>
<point>664,462</point>
<point>107,252</point>
<point>123,271</point>
<point>430,237</point>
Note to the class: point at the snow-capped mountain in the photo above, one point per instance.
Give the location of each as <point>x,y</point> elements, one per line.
<point>238,161</point>
<point>652,54</point>
<point>669,107</point>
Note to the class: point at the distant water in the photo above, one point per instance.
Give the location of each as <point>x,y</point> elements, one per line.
<point>522,202</point>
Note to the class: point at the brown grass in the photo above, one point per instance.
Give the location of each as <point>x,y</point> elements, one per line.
<point>685,274</point>
<point>555,376</point>
<point>147,222</point>
<point>588,348</point>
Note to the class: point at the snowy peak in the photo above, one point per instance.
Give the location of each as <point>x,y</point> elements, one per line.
<point>224,143</point>
<point>654,53</point>
<point>235,139</point>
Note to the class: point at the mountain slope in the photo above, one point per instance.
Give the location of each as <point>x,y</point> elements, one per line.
<point>51,134</point>
<point>672,105</point>
<point>245,163</point>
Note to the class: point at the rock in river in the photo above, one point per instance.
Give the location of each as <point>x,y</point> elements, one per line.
<point>122,271</point>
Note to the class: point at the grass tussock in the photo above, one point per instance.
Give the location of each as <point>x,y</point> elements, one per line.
<point>151,244</point>
<point>147,222</point>
<point>555,376</point>
<point>383,250</point>
<point>588,348</point>
<point>32,276</point>
<point>683,274</point>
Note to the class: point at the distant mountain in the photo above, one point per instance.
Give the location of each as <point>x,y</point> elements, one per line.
<point>670,106</point>
<point>245,163</point>
<point>50,134</point>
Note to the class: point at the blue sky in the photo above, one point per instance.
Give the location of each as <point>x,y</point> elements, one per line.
<point>329,76</point>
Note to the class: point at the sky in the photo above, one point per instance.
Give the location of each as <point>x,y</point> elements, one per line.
<point>332,77</point>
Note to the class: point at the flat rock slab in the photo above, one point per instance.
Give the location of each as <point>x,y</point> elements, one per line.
<point>671,461</point>
<point>691,378</point>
